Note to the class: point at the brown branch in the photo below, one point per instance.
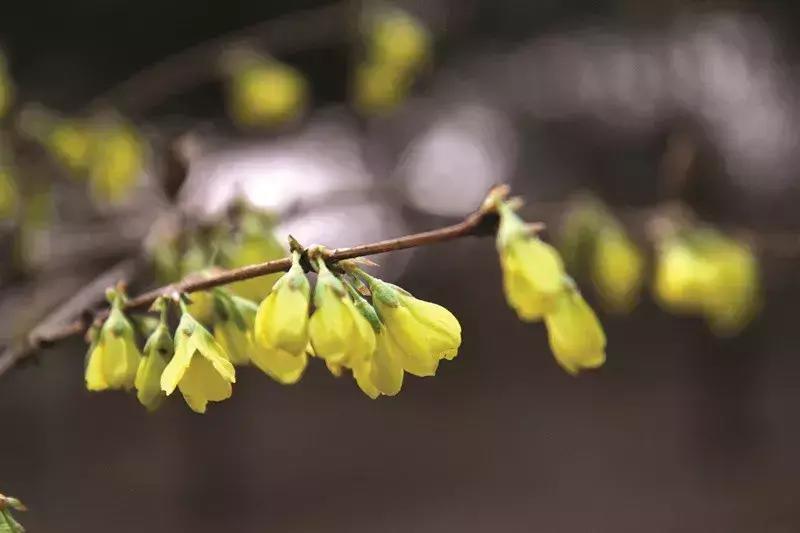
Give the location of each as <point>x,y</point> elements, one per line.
<point>480,223</point>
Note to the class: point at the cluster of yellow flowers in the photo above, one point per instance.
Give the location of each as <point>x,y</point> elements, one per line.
<point>701,271</point>
<point>378,342</point>
<point>7,522</point>
<point>263,91</point>
<point>106,150</point>
<point>396,46</point>
<point>538,288</point>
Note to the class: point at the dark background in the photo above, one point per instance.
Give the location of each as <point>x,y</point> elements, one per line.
<point>679,431</point>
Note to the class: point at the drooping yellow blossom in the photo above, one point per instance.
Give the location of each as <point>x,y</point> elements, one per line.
<point>281,327</point>
<point>398,40</point>
<point>706,273</point>
<point>617,269</point>
<point>201,306</point>
<point>157,351</point>
<point>576,336</point>
<point>584,219</point>
<point>532,269</point>
<point>339,333</point>
<point>379,88</point>
<point>265,92</point>
<point>113,356</point>
<point>117,161</point>
<point>199,368</point>
<point>233,328</point>
<point>423,331</point>
<point>682,275</point>
<point>733,296</point>
<point>71,143</point>
<point>9,195</point>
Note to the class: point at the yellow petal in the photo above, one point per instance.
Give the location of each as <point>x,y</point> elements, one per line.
<point>148,381</point>
<point>176,368</point>
<point>386,371</point>
<point>95,377</point>
<point>282,318</point>
<point>363,376</point>
<point>280,365</point>
<point>202,383</point>
<point>442,327</point>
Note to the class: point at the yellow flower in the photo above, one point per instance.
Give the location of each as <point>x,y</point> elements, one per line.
<point>532,269</point>
<point>117,162</point>
<point>199,368</point>
<point>264,93</point>
<point>157,351</point>
<point>233,328</point>
<point>71,143</point>
<point>379,88</point>
<point>423,332</point>
<point>114,357</point>
<point>201,306</point>
<point>682,274</point>
<point>281,327</point>
<point>398,40</point>
<point>378,370</point>
<point>338,332</point>
<point>576,336</point>
<point>732,296</point>
<point>617,270</point>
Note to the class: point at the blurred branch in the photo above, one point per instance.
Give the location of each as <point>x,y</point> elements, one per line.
<point>201,63</point>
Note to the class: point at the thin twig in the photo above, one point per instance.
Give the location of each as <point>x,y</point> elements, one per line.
<point>480,223</point>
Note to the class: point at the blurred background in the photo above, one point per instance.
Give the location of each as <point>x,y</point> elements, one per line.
<point>133,132</point>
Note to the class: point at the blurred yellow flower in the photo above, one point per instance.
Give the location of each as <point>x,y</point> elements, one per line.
<point>532,269</point>
<point>379,88</point>
<point>617,269</point>
<point>398,40</point>
<point>199,368</point>
<point>576,336</point>
<point>71,143</point>
<point>117,161</point>
<point>266,92</point>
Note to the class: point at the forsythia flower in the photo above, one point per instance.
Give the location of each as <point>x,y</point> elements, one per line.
<point>576,336</point>
<point>617,269</point>
<point>281,327</point>
<point>157,351</point>
<point>113,356</point>
<point>423,332</point>
<point>398,40</point>
<point>266,92</point>
<point>234,327</point>
<point>338,332</point>
<point>733,296</point>
<point>199,368</point>
<point>379,88</point>
<point>532,269</point>
<point>71,143</point>
<point>117,161</point>
<point>681,273</point>
<point>381,372</point>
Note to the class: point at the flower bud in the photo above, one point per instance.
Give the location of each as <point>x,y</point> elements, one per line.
<point>265,92</point>
<point>233,328</point>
